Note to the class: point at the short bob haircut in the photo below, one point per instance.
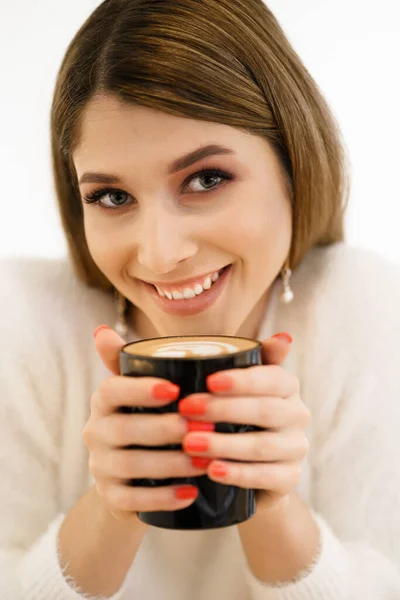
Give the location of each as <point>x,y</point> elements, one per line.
<point>225,61</point>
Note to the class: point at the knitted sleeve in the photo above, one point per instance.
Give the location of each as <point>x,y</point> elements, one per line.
<point>31,412</point>
<point>352,386</point>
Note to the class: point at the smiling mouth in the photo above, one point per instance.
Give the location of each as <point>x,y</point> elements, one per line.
<point>191,298</point>
<point>189,292</point>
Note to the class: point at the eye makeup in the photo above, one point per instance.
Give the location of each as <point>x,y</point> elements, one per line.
<point>96,196</point>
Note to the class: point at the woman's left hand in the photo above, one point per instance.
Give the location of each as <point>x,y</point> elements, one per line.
<point>266,396</point>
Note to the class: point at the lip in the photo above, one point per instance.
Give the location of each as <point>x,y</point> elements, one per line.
<point>194,305</point>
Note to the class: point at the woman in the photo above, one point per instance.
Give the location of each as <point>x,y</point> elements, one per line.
<point>202,184</point>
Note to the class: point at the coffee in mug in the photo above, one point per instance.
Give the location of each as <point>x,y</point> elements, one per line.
<point>187,361</point>
<point>189,346</point>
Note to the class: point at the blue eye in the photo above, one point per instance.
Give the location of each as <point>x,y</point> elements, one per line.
<point>117,198</point>
<point>209,174</point>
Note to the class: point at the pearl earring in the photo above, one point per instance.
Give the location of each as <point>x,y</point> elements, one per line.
<point>121,326</point>
<point>287,295</point>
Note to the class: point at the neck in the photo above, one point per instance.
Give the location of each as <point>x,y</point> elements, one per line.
<point>142,325</point>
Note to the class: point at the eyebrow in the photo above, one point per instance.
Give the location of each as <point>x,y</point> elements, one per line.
<point>178,165</point>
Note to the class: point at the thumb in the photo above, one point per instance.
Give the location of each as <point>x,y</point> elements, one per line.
<point>108,345</point>
<point>276,349</point>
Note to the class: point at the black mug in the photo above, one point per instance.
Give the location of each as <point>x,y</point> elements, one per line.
<point>187,361</point>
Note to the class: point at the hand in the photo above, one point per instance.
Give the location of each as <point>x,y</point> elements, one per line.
<point>107,432</point>
<point>266,396</point>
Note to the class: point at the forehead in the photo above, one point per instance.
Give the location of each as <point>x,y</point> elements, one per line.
<point>124,138</point>
<point>134,128</point>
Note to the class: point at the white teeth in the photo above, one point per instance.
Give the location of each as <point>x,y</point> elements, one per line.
<point>198,289</point>
<point>188,294</point>
<point>177,295</point>
<point>207,283</point>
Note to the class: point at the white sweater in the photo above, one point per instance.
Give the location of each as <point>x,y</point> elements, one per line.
<point>345,321</point>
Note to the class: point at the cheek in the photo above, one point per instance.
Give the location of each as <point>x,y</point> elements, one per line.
<point>106,246</point>
<point>265,233</point>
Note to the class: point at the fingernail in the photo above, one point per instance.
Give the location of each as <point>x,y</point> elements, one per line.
<point>284,336</point>
<point>96,331</point>
<point>191,407</point>
<point>186,492</point>
<point>165,391</point>
<point>196,444</point>
<point>200,426</point>
<point>219,470</point>
<point>199,462</point>
<point>219,383</point>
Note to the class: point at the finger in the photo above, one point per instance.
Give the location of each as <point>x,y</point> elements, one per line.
<point>276,349</point>
<point>142,464</point>
<point>117,391</point>
<point>129,499</point>
<point>268,413</point>
<point>279,478</point>
<point>260,446</point>
<point>140,429</point>
<point>263,380</point>
<point>108,345</point>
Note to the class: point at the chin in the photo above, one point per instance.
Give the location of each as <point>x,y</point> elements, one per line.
<point>178,331</point>
<point>193,328</point>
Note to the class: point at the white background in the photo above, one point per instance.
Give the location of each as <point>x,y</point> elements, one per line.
<point>351,47</point>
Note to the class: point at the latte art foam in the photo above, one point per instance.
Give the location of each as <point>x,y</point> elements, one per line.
<point>186,349</point>
<point>190,346</point>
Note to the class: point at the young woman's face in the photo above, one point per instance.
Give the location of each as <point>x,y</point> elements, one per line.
<point>159,218</point>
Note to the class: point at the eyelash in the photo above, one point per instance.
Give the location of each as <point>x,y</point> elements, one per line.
<point>95,196</point>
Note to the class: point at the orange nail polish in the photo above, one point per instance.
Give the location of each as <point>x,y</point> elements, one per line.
<point>219,470</point>
<point>186,492</point>
<point>165,391</point>
<point>199,462</point>
<point>190,407</point>
<point>200,426</point>
<point>98,329</point>
<point>284,336</point>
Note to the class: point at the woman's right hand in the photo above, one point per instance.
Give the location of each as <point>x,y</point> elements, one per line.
<point>108,431</point>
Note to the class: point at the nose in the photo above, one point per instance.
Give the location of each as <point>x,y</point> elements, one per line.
<point>163,241</point>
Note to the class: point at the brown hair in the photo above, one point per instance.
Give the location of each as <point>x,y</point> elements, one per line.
<point>223,61</point>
